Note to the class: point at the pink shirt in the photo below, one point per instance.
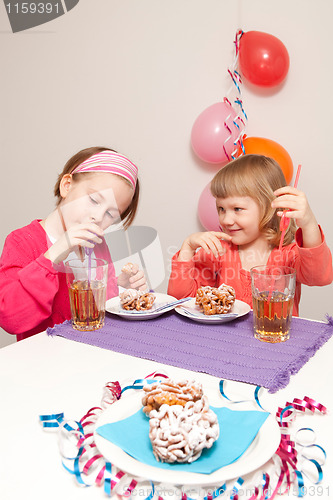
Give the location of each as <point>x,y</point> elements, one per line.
<point>33,293</point>
<point>313,267</point>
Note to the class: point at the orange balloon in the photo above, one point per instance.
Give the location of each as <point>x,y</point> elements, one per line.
<point>267,147</point>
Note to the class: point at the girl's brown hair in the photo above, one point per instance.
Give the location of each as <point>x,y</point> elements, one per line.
<point>258,177</point>
<point>128,215</point>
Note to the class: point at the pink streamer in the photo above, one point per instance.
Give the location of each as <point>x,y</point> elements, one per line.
<point>286,452</point>
<point>238,120</point>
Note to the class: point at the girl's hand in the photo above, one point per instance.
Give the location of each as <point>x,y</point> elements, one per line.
<point>85,235</point>
<point>297,206</point>
<point>135,280</point>
<point>210,241</point>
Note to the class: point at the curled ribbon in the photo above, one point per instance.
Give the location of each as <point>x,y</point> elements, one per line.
<point>85,461</point>
<point>81,457</point>
<point>287,453</point>
<point>141,382</point>
<point>256,394</point>
<point>52,420</point>
<point>240,119</point>
<point>286,457</point>
<point>111,393</point>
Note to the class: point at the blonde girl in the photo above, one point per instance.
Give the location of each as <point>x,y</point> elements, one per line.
<point>251,194</point>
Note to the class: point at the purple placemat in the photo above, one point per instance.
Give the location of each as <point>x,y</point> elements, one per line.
<point>227,351</point>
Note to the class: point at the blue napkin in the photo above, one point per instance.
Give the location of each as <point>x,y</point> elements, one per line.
<point>237,431</point>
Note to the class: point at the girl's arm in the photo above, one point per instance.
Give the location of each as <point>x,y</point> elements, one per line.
<point>209,241</point>
<point>187,276</point>
<point>313,264</point>
<point>197,263</point>
<point>28,285</point>
<point>82,235</point>
<point>310,255</point>
<point>135,279</point>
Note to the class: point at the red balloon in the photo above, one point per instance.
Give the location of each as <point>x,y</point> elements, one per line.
<point>263,59</point>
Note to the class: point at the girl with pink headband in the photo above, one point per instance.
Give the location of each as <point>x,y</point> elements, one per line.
<point>33,289</point>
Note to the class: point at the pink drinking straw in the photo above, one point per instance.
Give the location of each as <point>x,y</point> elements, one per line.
<point>89,251</point>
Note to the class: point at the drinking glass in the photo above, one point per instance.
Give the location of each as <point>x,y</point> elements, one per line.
<point>87,281</point>
<point>273,290</point>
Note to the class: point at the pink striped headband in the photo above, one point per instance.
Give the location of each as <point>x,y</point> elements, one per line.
<point>111,162</point>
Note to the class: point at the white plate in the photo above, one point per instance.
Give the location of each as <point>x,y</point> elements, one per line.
<point>259,452</point>
<point>240,308</point>
<point>113,306</point>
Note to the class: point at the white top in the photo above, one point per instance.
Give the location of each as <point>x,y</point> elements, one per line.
<point>42,375</point>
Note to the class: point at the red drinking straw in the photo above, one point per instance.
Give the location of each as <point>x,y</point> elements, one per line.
<point>284,222</point>
<point>297,175</point>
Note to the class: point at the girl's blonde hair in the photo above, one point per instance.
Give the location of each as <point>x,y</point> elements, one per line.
<point>258,177</point>
<point>128,215</point>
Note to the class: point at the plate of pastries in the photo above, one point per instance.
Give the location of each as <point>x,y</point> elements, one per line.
<point>214,305</point>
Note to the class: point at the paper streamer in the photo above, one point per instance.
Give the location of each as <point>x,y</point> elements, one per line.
<point>292,461</point>
<point>234,98</point>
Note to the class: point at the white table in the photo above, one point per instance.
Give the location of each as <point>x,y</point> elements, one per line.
<point>47,375</point>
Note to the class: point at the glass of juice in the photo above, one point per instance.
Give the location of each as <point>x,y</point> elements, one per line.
<point>273,290</point>
<point>87,281</point>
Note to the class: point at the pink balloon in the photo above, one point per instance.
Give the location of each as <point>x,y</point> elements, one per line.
<point>211,130</point>
<point>207,212</point>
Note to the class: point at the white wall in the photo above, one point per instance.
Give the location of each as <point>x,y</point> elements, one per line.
<point>134,75</point>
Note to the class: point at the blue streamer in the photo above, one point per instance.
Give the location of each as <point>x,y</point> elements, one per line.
<point>238,484</point>
<point>256,395</point>
<point>140,383</point>
<point>52,420</point>
<point>300,441</point>
<point>300,484</point>
<point>152,493</point>
<point>107,478</point>
<point>67,468</point>
<point>286,408</point>
<point>312,460</point>
<point>316,446</point>
<point>131,387</point>
<point>76,467</point>
<point>319,470</point>
<point>265,483</point>
<point>240,104</point>
<point>55,419</point>
<point>76,470</point>
<point>234,81</point>
<point>221,384</point>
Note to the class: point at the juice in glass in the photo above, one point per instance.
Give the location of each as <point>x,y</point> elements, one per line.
<point>87,283</point>
<point>273,289</point>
